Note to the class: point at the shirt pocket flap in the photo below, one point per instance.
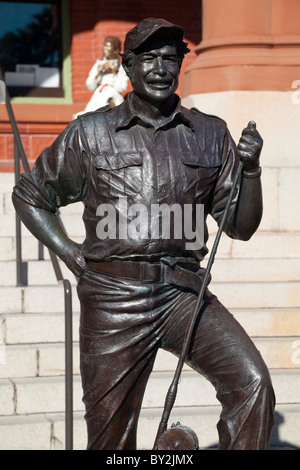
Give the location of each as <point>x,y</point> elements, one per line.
<point>200,161</point>
<point>116,161</point>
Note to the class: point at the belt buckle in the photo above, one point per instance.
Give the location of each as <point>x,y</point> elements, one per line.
<point>146,275</point>
<point>150,272</point>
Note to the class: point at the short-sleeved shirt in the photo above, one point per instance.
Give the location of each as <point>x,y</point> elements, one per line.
<point>130,175</point>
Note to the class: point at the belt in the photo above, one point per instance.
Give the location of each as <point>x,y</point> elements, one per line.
<point>147,272</point>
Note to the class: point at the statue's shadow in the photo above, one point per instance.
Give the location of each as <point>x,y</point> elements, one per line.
<point>276,442</point>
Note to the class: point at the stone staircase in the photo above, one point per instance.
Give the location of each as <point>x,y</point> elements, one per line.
<point>258,281</point>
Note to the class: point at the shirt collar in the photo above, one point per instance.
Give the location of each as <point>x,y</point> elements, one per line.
<point>128,116</point>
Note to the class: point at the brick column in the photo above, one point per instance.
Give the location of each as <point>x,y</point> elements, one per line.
<point>246,45</point>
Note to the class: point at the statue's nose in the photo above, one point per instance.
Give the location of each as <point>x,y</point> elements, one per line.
<point>160,68</point>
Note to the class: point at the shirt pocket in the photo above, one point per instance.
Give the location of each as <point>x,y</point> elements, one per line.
<point>119,174</point>
<point>199,175</point>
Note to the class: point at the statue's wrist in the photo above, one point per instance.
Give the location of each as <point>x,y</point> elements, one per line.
<point>251,174</point>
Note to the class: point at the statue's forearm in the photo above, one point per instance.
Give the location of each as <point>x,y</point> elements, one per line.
<point>249,208</point>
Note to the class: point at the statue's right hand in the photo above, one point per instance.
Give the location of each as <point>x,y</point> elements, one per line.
<point>249,147</point>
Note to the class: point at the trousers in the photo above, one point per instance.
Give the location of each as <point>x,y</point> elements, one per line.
<point>123,323</point>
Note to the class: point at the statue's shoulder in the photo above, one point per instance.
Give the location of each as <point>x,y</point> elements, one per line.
<point>92,119</point>
<point>196,111</point>
<point>91,115</point>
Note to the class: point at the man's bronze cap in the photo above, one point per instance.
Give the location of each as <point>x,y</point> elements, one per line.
<point>148,27</point>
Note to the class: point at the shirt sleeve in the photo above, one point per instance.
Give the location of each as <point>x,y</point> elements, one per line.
<point>58,177</point>
<point>224,184</point>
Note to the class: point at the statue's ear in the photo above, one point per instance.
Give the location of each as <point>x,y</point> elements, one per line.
<point>127,60</point>
<point>127,69</point>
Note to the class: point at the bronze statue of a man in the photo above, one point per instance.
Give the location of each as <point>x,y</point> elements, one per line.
<point>126,164</point>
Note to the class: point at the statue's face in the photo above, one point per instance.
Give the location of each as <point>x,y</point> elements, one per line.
<point>155,71</point>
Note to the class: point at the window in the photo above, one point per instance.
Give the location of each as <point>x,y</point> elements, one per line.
<point>34,48</point>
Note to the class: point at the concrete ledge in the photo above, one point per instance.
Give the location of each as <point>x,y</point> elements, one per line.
<point>25,433</point>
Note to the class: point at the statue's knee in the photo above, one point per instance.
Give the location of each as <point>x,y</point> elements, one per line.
<point>262,378</point>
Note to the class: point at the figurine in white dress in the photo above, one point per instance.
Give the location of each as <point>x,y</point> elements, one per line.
<point>107,78</point>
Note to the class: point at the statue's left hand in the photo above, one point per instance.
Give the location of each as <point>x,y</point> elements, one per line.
<point>249,147</point>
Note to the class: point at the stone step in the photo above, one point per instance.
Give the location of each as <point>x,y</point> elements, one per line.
<point>194,390</point>
<point>256,270</point>
<point>6,205</point>
<point>39,273</point>
<point>7,182</point>
<point>263,244</point>
<point>48,392</point>
<point>72,223</point>
<point>257,295</point>
<point>268,322</point>
<point>40,432</point>
<point>29,248</point>
<point>37,360</point>
<point>277,352</point>
<point>47,431</point>
<point>17,394</point>
<point>31,328</point>
<point>35,299</point>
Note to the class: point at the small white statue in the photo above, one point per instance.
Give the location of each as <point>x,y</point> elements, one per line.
<point>106,78</point>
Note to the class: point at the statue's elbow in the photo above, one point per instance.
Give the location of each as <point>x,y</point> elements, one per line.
<point>245,237</point>
<point>246,233</point>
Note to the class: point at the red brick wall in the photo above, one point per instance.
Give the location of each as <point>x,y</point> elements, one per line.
<point>90,22</point>
<point>35,137</point>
